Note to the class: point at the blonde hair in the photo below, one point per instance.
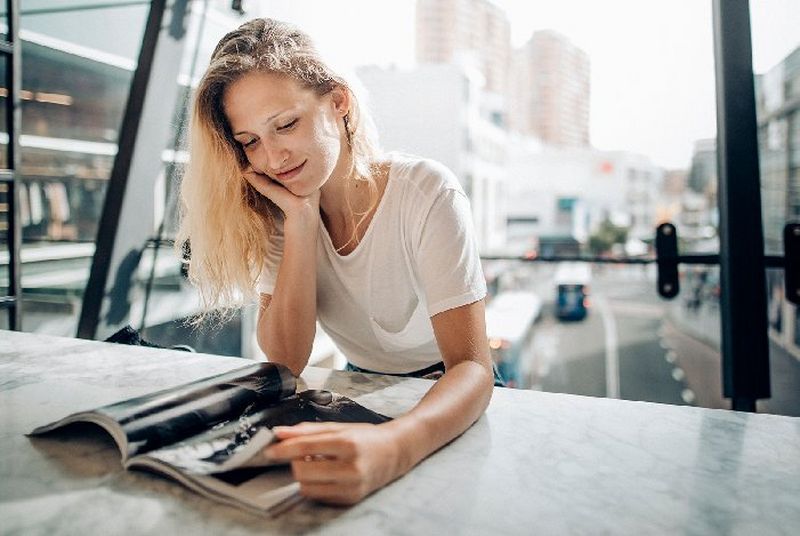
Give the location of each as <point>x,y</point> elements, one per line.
<point>227,222</point>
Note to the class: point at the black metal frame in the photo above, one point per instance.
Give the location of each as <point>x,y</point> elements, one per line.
<point>10,48</point>
<point>124,229</point>
<point>743,300</point>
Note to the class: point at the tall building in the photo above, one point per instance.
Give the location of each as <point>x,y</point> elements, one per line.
<point>550,90</point>
<point>475,32</point>
<point>778,110</point>
<point>778,113</point>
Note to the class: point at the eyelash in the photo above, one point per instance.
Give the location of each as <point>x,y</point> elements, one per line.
<point>284,128</point>
<point>288,125</point>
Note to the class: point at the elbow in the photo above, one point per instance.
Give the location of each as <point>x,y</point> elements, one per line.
<point>292,359</point>
<point>297,370</point>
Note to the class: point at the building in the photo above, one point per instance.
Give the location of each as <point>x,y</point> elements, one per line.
<point>698,218</point>
<point>475,32</point>
<point>703,168</point>
<point>673,188</point>
<point>565,194</point>
<point>440,112</point>
<point>778,112</point>
<point>550,91</point>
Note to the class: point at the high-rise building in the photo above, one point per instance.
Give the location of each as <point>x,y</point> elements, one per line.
<point>778,112</point>
<point>475,32</point>
<point>550,90</point>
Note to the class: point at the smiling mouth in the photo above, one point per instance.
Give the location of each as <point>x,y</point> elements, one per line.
<point>286,175</point>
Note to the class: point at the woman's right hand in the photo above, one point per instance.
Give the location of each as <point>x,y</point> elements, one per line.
<point>291,204</point>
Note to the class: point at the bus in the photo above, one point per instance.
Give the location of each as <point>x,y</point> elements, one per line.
<point>572,282</point>
<point>509,325</point>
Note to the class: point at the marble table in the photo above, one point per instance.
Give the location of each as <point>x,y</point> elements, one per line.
<point>536,463</point>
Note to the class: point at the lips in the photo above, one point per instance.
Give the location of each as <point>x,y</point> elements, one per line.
<point>289,173</point>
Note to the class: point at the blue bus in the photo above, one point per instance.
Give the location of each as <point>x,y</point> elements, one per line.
<point>509,325</point>
<point>572,281</point>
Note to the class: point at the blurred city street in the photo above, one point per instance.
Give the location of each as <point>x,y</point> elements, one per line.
<point>635,345</point>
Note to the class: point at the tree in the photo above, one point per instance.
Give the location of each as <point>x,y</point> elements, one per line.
<point>606,235</point>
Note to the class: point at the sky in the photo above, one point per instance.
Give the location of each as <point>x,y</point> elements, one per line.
<point>652,62</point>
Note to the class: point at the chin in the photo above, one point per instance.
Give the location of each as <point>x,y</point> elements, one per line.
<point>301,190</point>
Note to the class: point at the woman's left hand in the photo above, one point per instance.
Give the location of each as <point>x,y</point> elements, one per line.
<point>338,463</point>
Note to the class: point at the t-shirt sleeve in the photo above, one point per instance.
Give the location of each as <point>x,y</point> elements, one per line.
<point>269,271</point>
<point>447,260</point>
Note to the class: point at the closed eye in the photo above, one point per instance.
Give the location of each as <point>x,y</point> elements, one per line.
<point>288,125</point>
<point>249,143</point>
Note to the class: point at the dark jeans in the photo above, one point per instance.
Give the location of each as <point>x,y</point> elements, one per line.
<point>433,372</point>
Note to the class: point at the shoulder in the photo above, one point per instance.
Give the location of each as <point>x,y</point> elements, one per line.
<point>423,176</point>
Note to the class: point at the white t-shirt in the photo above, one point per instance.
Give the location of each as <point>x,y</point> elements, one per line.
<point>418,258</point>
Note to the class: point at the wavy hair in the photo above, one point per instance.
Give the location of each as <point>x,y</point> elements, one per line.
<point>227,222</point>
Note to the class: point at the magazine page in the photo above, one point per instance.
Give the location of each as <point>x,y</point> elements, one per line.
<point>240,443</point>
<point>261,490</point>
<point>151,421</point>
<point>227,462</point>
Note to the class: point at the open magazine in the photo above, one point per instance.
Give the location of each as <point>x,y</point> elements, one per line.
<point>210,434</point>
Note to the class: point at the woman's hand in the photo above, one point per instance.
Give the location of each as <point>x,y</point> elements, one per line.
<point>289,203</point>
<point>339,463</point>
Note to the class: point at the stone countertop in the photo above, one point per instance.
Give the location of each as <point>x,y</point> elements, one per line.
<point>536,463</point>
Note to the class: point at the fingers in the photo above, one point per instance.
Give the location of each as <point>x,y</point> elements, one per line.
<point>320,471</point>
<point>279,194</point>
<point>307,428</point>
<point>337,463</point>
<point>262,183</point>
<point>326,445</point>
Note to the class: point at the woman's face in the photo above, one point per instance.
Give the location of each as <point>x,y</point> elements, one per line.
<point>287,131</point>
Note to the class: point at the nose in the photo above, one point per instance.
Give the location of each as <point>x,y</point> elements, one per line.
<point>276,157</point>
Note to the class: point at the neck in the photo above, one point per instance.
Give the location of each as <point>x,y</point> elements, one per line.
<point>333,195</point>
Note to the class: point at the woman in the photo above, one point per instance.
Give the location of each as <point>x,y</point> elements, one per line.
<point>286,192</point>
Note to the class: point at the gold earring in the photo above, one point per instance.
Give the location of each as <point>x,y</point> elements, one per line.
<point>347,132</point>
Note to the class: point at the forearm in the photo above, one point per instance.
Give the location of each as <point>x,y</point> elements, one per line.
<point>451,406</point>
<point>286,328</point>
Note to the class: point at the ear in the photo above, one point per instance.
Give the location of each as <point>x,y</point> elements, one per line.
<point>340,97</point>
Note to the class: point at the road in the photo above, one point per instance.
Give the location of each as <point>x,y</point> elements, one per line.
<point>617,351</point>
<point>634,345</point>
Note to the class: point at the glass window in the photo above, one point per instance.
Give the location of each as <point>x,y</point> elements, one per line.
<point>585,160</point>
<point>164,300</point>
<point>116,27</point>
<point>70,125</point>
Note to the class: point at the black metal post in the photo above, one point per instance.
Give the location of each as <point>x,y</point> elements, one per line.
<point>126,223</point>
<point>743,302</point>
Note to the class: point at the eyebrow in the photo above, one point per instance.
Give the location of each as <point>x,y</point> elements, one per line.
<point>267,120</point>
